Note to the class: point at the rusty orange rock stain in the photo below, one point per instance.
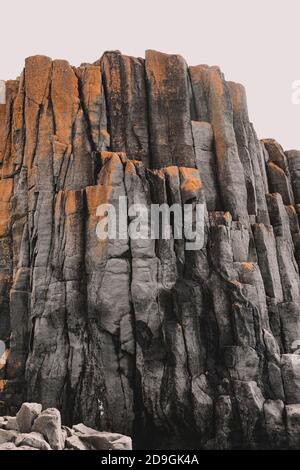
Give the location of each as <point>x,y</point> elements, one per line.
<point>70,202</point>
<point>227,216</point>
<point>6,192</point>
<point>171,170</point>
<point>248,266</point>
<point>130,168</point>
<point>2,384</point>
<point>192,185</point>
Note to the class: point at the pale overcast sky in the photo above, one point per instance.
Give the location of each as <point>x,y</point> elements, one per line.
<point>255,42</point>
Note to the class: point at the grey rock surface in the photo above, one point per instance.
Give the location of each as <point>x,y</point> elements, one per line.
<point>27,415</point>
<point>48,423</point>
<point>32,439</point>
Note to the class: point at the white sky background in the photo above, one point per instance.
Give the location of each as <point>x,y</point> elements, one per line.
<point>255,42</point>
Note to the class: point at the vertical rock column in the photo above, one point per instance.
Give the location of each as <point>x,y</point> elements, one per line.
<point>108,382</point>
<point>209,85</point>
<point>171,141</point>
<point>248,152</point>
<point>125,90</point>
<point>8,94</point>
<point>6,271</point>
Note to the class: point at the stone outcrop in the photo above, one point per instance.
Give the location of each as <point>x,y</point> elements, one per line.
<point>45,432</point>
<point>177,348</point>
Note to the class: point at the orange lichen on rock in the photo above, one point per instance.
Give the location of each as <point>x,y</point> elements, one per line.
<point>247,266</point>
<point>93,101</point>
<point>91,88</point>
<point>158,67</point>
<point>37,81</point>
<point>65,99</point>
<point>6,191</point>
<point>171,170</point>
<point>191,183</point>
<point>109,189</point>
<point>73,201</point>
<point>96,196</point>
<point>2,384</point>
<point>130,168</point>
<point>216,81</point>
<point>37,69</point>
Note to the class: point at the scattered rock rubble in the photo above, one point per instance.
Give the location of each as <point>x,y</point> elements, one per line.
<point>34,429</point>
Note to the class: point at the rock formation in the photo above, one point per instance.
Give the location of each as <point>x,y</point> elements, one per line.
<point>174,347</point>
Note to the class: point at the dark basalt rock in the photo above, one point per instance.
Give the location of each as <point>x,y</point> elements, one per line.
<point>177,348</point>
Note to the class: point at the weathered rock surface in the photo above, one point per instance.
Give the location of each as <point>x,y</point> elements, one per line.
<point>48,423</point>
<point>27,415</point>
<point>174,347</point>
<point>33,439</point>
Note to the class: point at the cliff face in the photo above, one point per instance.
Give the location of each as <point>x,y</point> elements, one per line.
<point>177,348</point>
